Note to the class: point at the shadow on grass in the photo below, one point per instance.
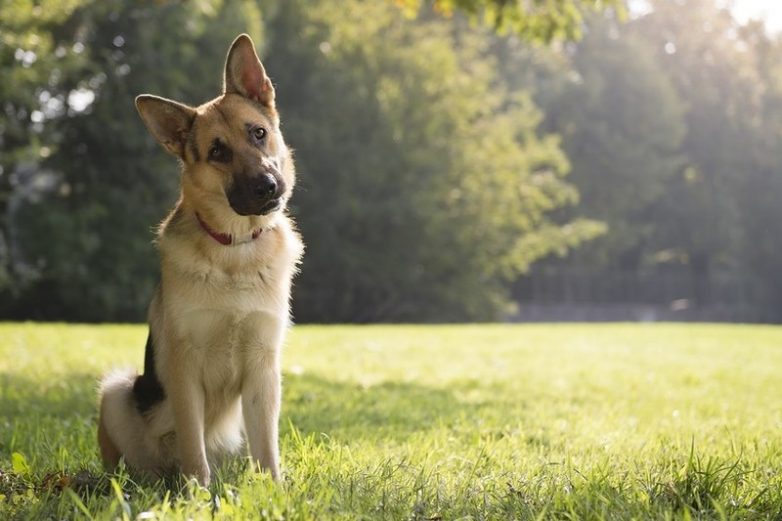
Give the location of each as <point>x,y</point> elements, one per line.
<point>390,410</point>
<point>61,397</point>
<point>45,416</point>
<point>65,412</point>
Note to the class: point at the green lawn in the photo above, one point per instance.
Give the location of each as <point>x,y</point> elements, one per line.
<point>433,422</point>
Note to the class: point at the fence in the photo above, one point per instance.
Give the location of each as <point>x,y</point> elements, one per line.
<point>573,294</point>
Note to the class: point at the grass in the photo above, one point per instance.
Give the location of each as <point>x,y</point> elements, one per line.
<point>432,422</point>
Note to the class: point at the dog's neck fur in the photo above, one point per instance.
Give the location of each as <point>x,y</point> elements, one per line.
<point>224,238</point>
<point>240,228</point>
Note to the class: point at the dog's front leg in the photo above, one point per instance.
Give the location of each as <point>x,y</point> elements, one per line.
<point>261,409</point>
<point>187,401</point>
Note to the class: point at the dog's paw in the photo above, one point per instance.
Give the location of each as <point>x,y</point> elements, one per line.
<point>269,468</point>
<point>201,474</point>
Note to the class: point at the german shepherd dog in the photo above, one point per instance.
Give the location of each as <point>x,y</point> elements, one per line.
<point>217,320</point>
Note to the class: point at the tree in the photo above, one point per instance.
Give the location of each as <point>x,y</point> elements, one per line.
<point>761,188</point>
<point>88,234</point>
<point>672,123</point>
<point>424,190</point>
<point>715,75</point>
<point>622,124</point>
<point>32,93</point>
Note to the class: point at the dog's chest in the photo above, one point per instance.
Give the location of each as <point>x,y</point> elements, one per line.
<point>229,335</point>
<point>226,343</point>
<point>228,319</point>
<point>227,306</point>
<point>228,313</point>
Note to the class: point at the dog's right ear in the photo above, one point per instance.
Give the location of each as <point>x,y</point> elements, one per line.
<point>168,121</point>
<point>244,73</point>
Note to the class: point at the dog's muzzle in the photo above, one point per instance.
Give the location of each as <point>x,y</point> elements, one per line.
<point>259,194</point>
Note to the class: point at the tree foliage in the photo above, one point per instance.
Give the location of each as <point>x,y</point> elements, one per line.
<point>425,189</point>
<point>421,184</point>
<point>622,123</point>
<point>672,122</point>
<point>432,152</point>
<point>90,200</point>
<point>537,20</point>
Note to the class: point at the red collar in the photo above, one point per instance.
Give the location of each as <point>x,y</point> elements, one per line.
<point>226,239</point>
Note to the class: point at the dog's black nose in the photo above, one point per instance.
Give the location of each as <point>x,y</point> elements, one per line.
<point>265,186</point>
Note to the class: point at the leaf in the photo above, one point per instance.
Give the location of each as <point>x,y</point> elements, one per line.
<point>19,464</point>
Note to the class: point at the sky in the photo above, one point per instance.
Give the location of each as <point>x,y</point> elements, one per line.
<point>769,10</point>
<point>743,10</point>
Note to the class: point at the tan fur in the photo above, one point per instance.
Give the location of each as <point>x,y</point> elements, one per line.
<point>219,317</point>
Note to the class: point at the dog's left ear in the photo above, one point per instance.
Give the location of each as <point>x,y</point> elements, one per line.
<point>244,73</point>
<point>168,121</point>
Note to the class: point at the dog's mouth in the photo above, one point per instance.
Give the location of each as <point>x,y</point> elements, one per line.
<point>271,206</point>
<point>264,208</point>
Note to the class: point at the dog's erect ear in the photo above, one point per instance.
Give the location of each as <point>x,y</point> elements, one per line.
<point>168,121</point>
<point>244,73</point>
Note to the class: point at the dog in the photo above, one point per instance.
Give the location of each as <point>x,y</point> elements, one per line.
<point>228,253</point>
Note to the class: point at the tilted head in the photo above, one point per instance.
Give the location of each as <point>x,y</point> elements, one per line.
<point>235,160</point>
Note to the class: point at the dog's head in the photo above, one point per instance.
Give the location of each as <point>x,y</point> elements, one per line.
<point>231,147</point>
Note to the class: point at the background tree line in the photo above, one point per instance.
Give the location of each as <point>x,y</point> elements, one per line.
<point>433,152</point>
<point>673,125</point>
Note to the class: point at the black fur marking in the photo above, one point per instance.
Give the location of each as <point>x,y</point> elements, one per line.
<point>191,143</point>
<point>220,152</point>
<point>147,389</point>
<point>194,151</point>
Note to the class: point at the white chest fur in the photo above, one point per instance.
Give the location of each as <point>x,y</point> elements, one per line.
<point>227,306</point>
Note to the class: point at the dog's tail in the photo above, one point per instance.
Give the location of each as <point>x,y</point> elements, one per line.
<point>122,430</point>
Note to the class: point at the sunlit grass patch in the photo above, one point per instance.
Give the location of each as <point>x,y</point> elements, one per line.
<point>432,422</point>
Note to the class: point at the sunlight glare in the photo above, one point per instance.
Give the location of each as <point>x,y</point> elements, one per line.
<point>768,10</point>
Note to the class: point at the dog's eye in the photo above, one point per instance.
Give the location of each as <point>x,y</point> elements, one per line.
<point>258,133</point>
<point>219,152</point>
